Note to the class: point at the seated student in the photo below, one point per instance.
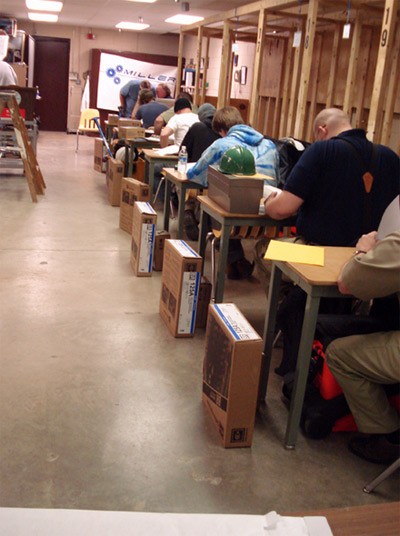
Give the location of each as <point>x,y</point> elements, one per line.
<point>179,124</point>
<point>327,189</point>
<point>197,139</point>
<point>129,94</point>
<point>149,109</point>
<point>228,123</point>
<point>362,364</point>
<point>163,91</point>
<point>163,118</point>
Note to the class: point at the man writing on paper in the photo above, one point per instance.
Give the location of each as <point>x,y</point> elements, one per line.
<point>340,188</point>
<point>180,123</point>
<point>362,364</point>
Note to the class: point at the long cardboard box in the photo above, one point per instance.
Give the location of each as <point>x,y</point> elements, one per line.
<point>179,287</point>
<point>128,122</point>
<point>143,231</point>
<point>159,244</point>
<point>115,172</point>
<point>203,302</point>
<point>231,373</point>
<point>99,163</point>
<point>131,190</point>
<point>131,132</point>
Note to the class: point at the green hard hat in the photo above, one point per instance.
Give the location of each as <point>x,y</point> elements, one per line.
<point>238,161</point>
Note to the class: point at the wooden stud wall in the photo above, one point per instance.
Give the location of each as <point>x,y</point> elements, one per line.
<point>291,85</point>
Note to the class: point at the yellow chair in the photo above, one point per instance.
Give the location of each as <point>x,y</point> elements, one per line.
<point>86,123</point>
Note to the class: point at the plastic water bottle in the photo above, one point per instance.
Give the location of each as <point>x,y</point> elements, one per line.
<point>182,160</point>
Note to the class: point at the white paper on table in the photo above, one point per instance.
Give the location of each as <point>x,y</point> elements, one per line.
<point>276,525</point>
<point>268,189</point>
<point>390,221</point>
<point>170,149</point>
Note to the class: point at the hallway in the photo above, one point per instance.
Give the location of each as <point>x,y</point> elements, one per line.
<point>101,406</point>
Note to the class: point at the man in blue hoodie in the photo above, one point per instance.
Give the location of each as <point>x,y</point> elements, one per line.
<point>228,123</point>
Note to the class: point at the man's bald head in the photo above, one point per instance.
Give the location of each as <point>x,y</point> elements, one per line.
<point>329,123</point>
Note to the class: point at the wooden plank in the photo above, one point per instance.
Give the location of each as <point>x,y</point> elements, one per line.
<point>385,49</point>
<point>353,61</point>
<point>205,71</point>
<point>179,68</point>
<point>257,67</point>
<point>333,69</point>
<point>313,101</point>
<point>392,89</point>
<point>198,61</point>
<point>262,106</point>
<point>299,127</point>
<point>295,87</point>
<point>224,69</point>
<point>285,90</point>
<point>364,56</point>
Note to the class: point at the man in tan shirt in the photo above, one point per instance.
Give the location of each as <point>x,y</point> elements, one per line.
<point>362,364</point>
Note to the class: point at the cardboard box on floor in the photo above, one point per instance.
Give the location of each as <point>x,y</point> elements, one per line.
<point>143,231</point>
<point>100,163</point>
<point>115,172</point>
<point>179,287</point>
<point>159,243</point>
<point>203,302</point>
<point>231,373</point>
<point>131,190</point>
<point>139,169</point>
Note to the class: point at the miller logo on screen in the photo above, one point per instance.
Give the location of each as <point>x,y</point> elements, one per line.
<point>120,70</point>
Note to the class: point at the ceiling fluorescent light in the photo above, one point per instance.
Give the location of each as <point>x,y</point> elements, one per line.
<point>43,17</point>
<point>132,26</point>
<point>44,5</point>
<point>143,1</point>
<point>183,19</point>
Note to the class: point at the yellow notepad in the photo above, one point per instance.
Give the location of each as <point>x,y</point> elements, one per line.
<point>290,252</point>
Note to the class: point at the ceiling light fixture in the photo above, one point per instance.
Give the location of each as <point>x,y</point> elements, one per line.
<point>43,17</point>
<point>183,19</point>
<point>44,5</point>
<point>132,26</point>
<point>143,1</point>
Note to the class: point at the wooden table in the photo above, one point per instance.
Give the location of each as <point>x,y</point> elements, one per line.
<point>137,143</point>
<point>370,520</point>
<point>228,220</point>
<point>182,184</point>
<point>317,282</point>
<point>152,159</point>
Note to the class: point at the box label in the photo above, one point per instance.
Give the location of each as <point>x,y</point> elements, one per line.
<point>187,310</point>
<point>184,249</point>
<point>236,322</point>
<point>146,248</point>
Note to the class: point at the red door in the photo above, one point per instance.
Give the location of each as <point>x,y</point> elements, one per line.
<point>51,76</point>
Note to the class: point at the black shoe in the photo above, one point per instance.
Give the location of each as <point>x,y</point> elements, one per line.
<point>374,448</point>
<point>190,224</point>
<point>241,269</point>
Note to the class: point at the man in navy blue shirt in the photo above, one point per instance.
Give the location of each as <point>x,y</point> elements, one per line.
<point>326,185</point>
<point>129,94</point>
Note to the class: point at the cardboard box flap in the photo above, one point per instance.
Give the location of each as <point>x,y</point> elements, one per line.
<point>237,324</point>
<point>145,208</point>
<point>184,249</point>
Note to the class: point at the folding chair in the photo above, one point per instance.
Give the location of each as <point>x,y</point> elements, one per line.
<point>382,476</point>
<point>87,124</point>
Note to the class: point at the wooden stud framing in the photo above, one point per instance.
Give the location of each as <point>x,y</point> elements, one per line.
<point>359,97</point>
<point>198,62</point>
<point>352,70</point>
<point>306,68</point>
<point>392,89</point>
<point>295,88</point>
<point>285,89</point>
<point>257,68</point>
<point>179,69</point>
<point>385,45</point>
<point>313,104</point>
<point>205,71</point>
<point>332,72</point>
<point>224,73</point>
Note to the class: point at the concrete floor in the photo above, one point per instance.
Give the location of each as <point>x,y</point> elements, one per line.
<point>101,406</point>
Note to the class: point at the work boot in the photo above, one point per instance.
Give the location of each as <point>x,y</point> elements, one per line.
<point>375,448</point>
<point>241,269</point>
<point>190,224</point>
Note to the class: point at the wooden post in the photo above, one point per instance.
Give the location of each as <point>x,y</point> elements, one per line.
<point>224,69</point>
<point>332,72</point>
<point>392,89</point>
<point>299,127</point>
<point>285,90</point>
<point>388,29</point>
<point>295,87</point>
<point>203,89</point>
<point>257,68</point>
<point>353,61</point>
<point>198,61</point>
<point>364,56</point>
<point>179,68</point>
<point>313,104</point>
